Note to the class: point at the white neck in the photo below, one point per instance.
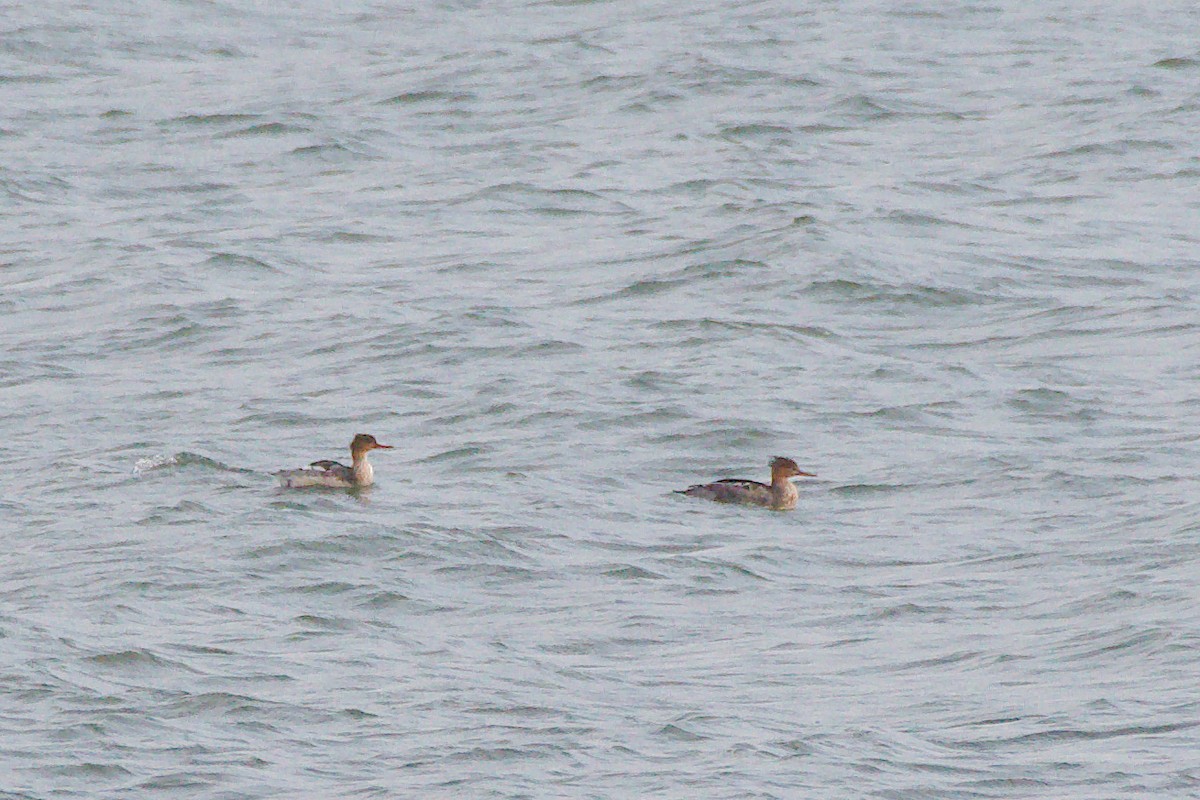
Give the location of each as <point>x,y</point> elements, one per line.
<point>784,491</point>
<point>363,474</point>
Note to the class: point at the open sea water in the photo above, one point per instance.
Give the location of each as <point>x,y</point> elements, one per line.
<point>567,257</point>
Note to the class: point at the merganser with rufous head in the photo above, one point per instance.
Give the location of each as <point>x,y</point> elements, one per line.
<point>336,475</point>
<point>779,495</point>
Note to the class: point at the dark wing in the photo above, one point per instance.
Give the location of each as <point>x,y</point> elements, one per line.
<point>328,465</point>
<point>732,490</point>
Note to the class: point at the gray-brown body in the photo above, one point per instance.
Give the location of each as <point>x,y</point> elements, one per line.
<point>333,474</point>
<point>779,494</point>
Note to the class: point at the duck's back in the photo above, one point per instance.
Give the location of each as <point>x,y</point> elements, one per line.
<point>733,490</point>
<point>324,473</point>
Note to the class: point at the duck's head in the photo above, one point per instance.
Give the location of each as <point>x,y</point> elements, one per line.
<point>364,443</point>
<point>786,468</point>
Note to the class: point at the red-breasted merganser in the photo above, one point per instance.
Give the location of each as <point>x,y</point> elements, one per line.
<point>334,474</point>
<point>780,495</point>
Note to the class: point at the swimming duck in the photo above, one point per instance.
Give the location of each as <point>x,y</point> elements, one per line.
<point>335,474</point>
<point>779,495</point>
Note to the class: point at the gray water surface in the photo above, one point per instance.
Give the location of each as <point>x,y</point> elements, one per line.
<point>569,257</point>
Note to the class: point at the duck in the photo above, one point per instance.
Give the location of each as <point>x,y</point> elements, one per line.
<point>334,474</point>
<point>778,495</point>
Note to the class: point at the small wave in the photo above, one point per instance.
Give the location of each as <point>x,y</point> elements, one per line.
<point>520,196</point>
<point>135,658</point>
<point>236,261</point>
<point>896,294</point>
<point>195,120</point>
<point>183,459</point>
<point>266,129</point>
<point>857,489</point>
<point>680,734</point>
<point>333,153</point>
<point>760,130</point>
<point>631,572</point>
<point>1176,63</point>
<point>153,462</point>
<point>426,96</point>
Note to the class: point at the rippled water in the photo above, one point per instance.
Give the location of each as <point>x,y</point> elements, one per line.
<point>568,257</point>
